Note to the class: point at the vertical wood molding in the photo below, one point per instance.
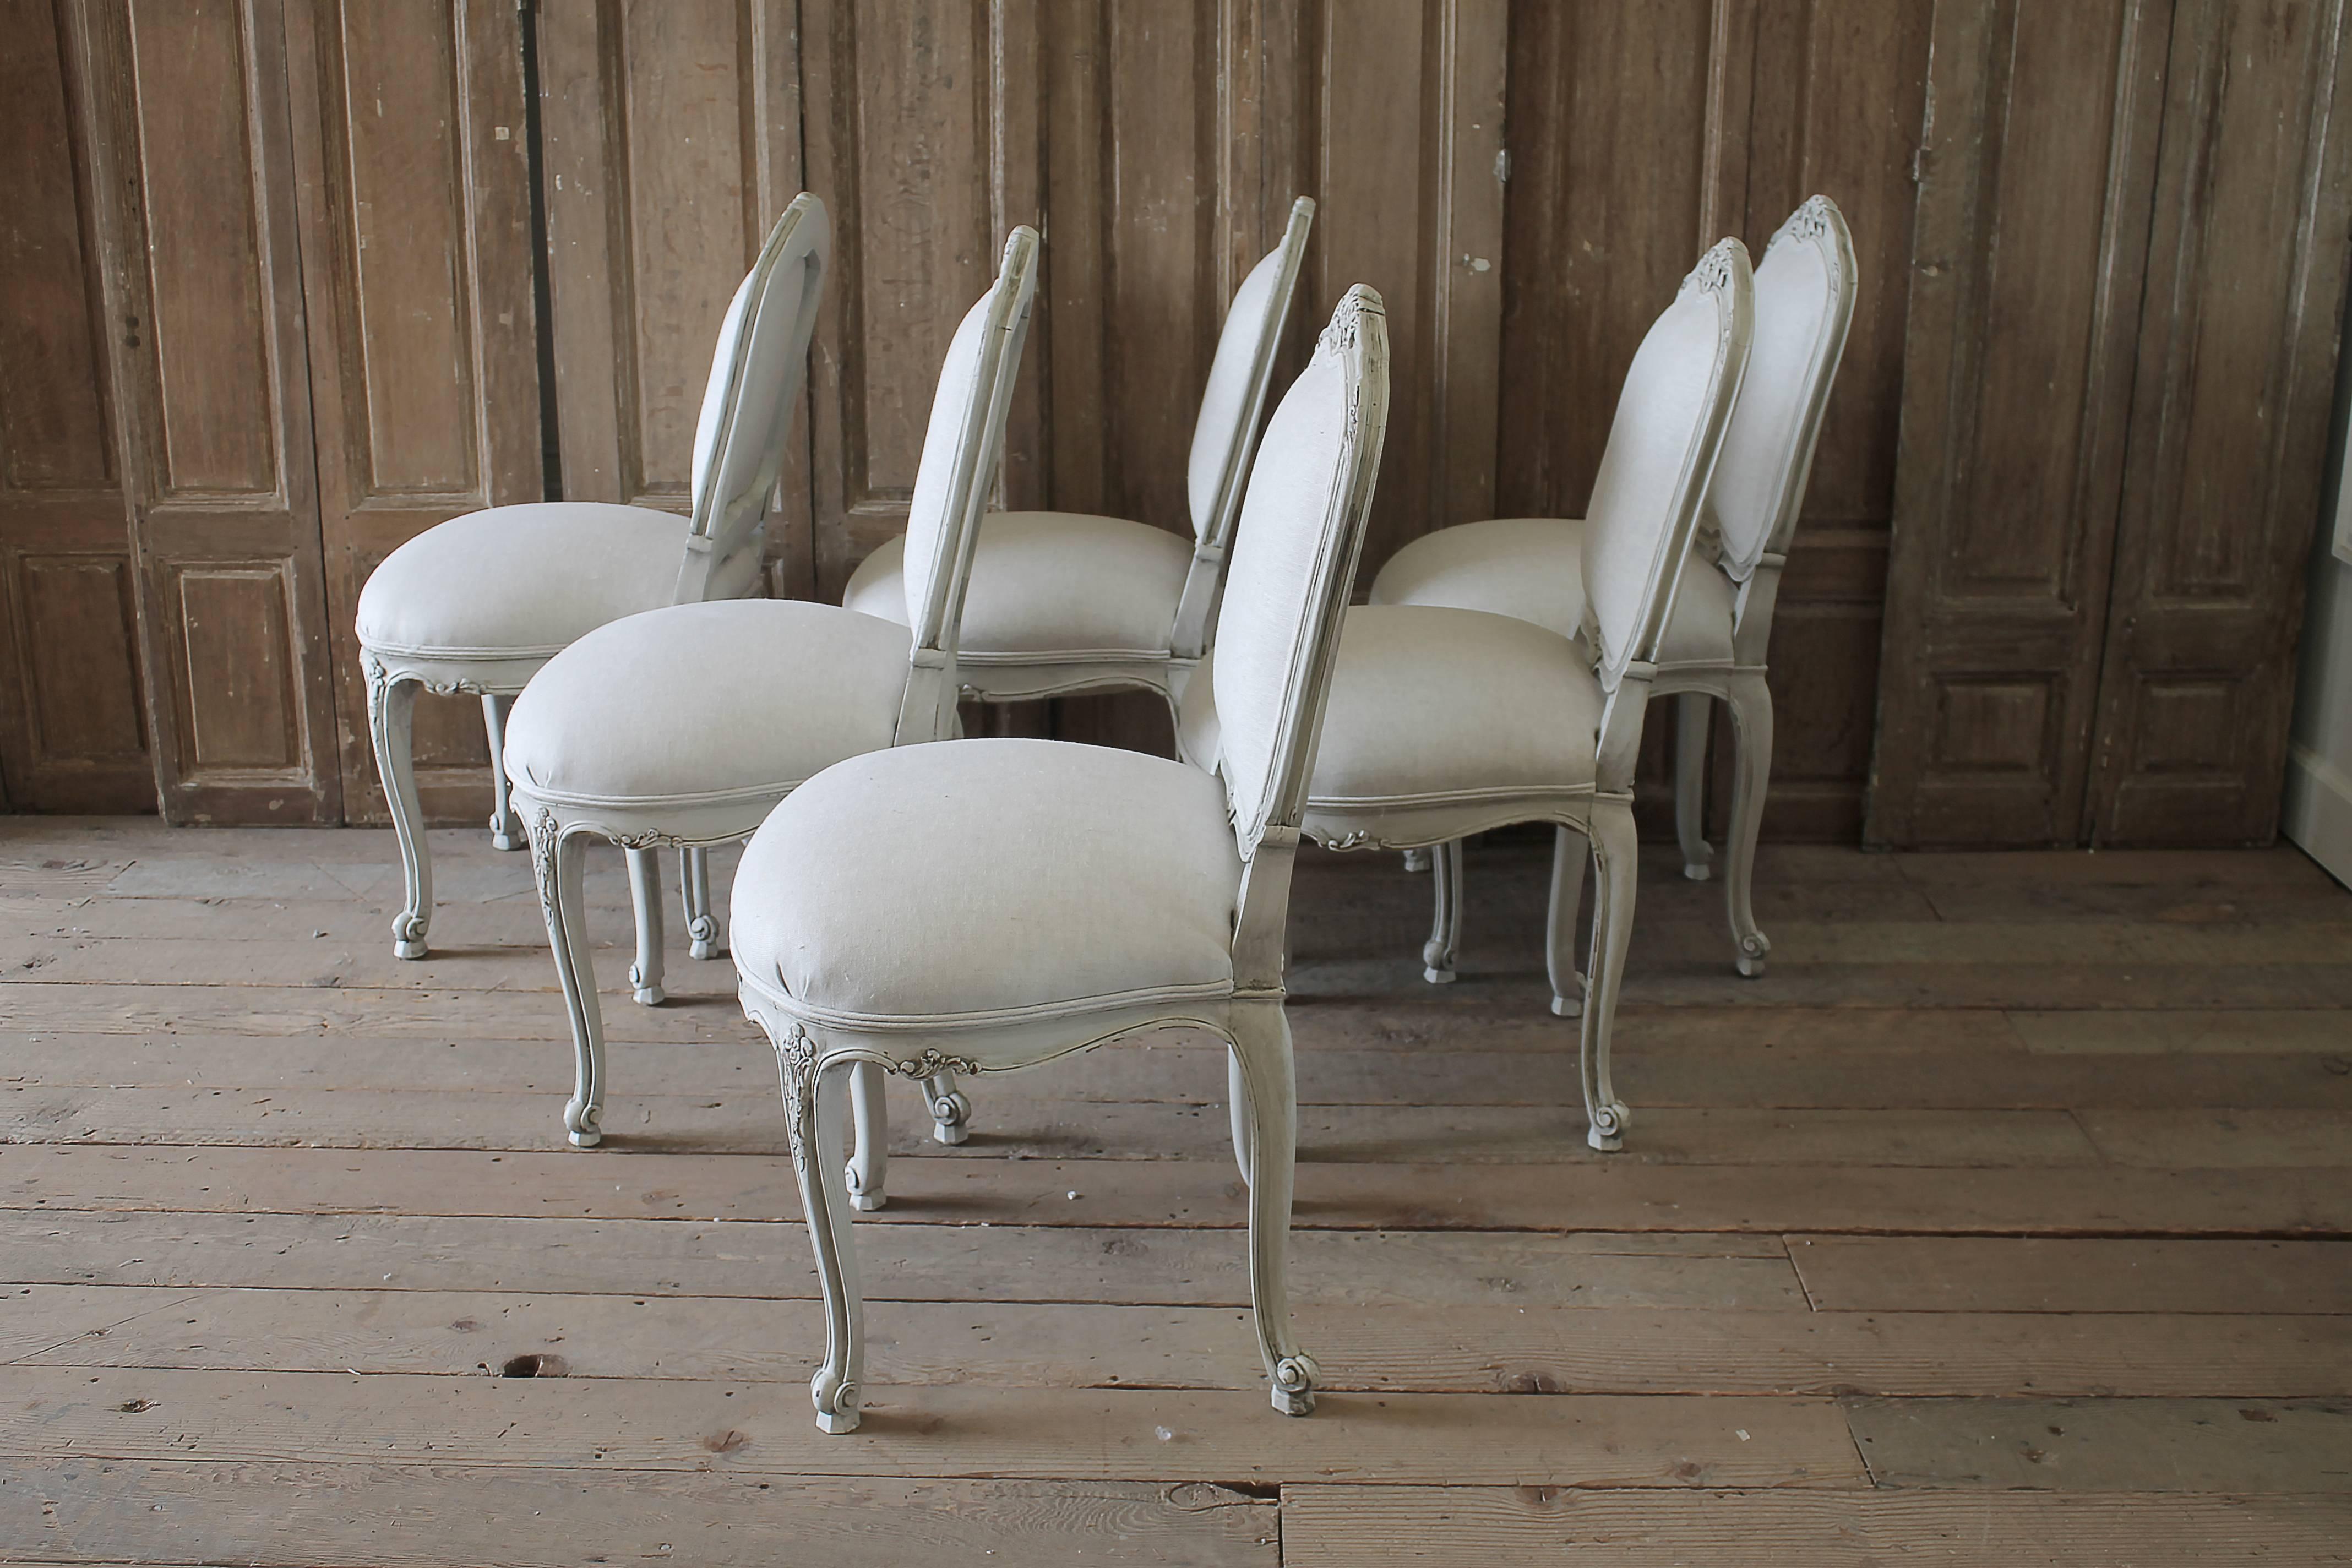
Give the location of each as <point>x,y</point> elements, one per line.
<point>73,726</point>
<point>198,232</point>
<point>2028,261</point>
<point>2239,339</point>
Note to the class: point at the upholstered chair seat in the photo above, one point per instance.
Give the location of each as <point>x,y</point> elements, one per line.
<point>481,603</point>
<point>1442,704</point>
<point>987,906</point>
<point>1081,589</point>
<point>709,722</point>
<point>683,726</point>
<point>1533,568</point>
<point>520,582</point>
<point>991,882</point>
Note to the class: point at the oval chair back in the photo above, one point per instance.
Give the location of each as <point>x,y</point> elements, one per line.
<point>757,371</point>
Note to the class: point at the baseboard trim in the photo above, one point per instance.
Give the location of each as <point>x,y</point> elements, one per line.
<point>2316,812</point>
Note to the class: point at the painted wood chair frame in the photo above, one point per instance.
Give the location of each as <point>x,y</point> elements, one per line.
<point>723,541</point>
<point>1622,652</point>
<point>971,453</point>
<point>1225,436</point>
<point>1295,563</point>
<point>1805,298</point>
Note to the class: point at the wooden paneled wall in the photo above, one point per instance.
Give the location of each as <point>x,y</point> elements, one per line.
<point>269,311</point>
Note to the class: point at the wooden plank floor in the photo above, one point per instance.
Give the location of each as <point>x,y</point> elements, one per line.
<point>2007,1221</point>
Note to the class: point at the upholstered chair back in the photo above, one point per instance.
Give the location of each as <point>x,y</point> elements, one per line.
<point>1804,304</point>
<point>756,373</point>
<point>1294,562</point>
<point>1238,377</point>
<point>963,444</point>
<point>1662,451</point>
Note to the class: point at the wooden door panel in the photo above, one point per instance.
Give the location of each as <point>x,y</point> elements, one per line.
<point>672,137</point>
<point>412,151</point>
<point>2229,426</point>
<point>2029,256</point>
<point>216,451</point>
<point>73,736</point>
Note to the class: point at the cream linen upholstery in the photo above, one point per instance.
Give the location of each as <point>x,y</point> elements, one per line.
<point>1720,624</point>
<point>520,583</point>
<point>1079,589</point>
<point>1533,568</point>
<point>479,603</point>
<point>983,906</point>
<point>682,727</point>
<point>1442,722</point>
<point>1430,705</point>
<point>993,882</point>
<point>1068,601</point>
<point>728,653</point>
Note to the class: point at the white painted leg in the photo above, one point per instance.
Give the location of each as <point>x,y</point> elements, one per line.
<point>1694,710</point>
<point>562,865</point>
<point>1261,1041</point>
<point>1614,848</point>
<point>867,1174</point>
<point>1238,1108</point>
<point>1446,929</point>
<point>694,888</point>
<point>645,894</point>
<point>1416,859</point>
<point>1751,779</point>
<point>951,1110</point>
<point>392,715</point>
<point>1569,854</point>
<point>506,828</point>
<point>816,1117</point>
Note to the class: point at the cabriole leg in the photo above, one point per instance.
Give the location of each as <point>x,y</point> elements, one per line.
<point>562,865</point>
<point>1261,1042</point>
<point>1751,724</point>
<point>694,890</point>
<point>950,1108</point>
<point>506,828</point>
<point>1693,711</point>
<point>392,726</point>
<point>1569,853</point>
<point>867,1174</point>
<point>814,1114</point>
<point>645,894</point>
<point>1614,847</point>
<point>1446,929</point>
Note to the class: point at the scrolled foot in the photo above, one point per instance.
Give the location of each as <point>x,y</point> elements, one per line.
<point>1571,1007</point>
<point>1416,859</point>
<point>950,1117</point>
<point>1437,977</point>
<point>1753,952</point>
<point>1697,871</point>
<point>703,931</point>
<point>501,839</point>
<point>860,1199</point>
<point>580,1121</point>
<point>407,937</point>
<point>647,996</point>
<point>1294,1384</point>
<point>836,1402</point>
<point>1607,1132</point>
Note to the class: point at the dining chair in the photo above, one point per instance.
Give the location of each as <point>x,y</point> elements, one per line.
<point>479,604</point>
<point>1722,623</point>
<point>1063,603</point>
<point>683,727</point>
<point>1444,721</point>
<point>987,905</point>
